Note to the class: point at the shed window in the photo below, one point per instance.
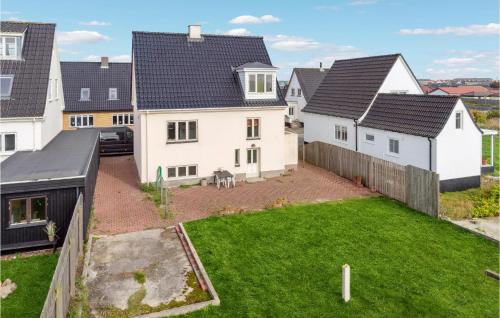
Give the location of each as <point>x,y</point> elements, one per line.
<point>28,210</point>
<point>393,146</point>
<point>6,86</point>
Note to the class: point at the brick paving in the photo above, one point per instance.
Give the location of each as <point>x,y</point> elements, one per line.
<point>120,206</point>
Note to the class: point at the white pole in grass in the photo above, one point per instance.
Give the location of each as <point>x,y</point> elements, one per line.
<point>346,282</point>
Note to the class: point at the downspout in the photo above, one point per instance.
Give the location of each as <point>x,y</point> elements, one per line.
<point>430,153</point>
<point>356,133</point>
<point>34,135</point>
<point>147,149</point>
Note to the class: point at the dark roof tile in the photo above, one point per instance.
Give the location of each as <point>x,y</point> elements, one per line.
<point>309,80</point>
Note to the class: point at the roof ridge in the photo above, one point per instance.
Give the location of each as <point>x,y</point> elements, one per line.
<point>29,22</point>
<point>202,35</point>
<point>99,62</point>
<point>426,95</point>
<point>371,56</point>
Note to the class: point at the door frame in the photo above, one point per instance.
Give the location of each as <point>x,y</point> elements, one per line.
<point>258,155</point>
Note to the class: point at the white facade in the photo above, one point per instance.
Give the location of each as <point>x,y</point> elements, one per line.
<point>220,132</point>
<point>33,133</point>
<point>322,128</point>
<point>296,102</point>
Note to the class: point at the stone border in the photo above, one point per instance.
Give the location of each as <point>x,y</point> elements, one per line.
<point>196,306</point>
<point>474,231</point>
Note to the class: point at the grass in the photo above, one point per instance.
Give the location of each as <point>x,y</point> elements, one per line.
<point>140,277</point>
<point>287,263</point>
<point>32,276</point>
<point>153,194</point>
<point>487,152</point>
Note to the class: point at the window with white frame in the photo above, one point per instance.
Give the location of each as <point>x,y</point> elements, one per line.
<point>85,94</point>
<point>341,133</point>
<point>291,110</point>
<point>6,82</point>
<point>113,94</point>
<point>82,120</point>
<point>236,157</point>
<point>27,210</point>
<point>181,131</point>
<point>299,92</point>
<point>50,89</point>
<point>293,92</point>
<point>370,138</point>
<point>260,83</point>
<point>458,120</point>
<point>182,171</point>
<point>123,119</point>
<point>393,146</point>
<point>7,142</point>
<point>56,89</point>
<point>253,128</point>
<point>10,47</point>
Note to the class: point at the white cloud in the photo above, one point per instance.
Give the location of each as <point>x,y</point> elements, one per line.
<point>327,8</point>
<point>116,58</point>
<point>239,31</point>
<point>361,2</point>
<point>465,64</point>
<point>95,23</point>
<point>455,61</point>
<point>10,12</point>
<point>77,37</point>
<point>474,29</point>
<point>250,19</point>
<point>292,43</point>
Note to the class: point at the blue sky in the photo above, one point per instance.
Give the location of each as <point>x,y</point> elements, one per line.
<point>439,39</point>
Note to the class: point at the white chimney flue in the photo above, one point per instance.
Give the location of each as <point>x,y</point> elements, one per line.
<point>194,32</point>
<point>104,62</point>
<point>321,69</point>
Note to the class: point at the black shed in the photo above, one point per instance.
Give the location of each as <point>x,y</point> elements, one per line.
<point>41,186</point>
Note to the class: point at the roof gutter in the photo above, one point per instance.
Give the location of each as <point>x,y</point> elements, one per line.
<point>221,109</point>
<point>7,119</point>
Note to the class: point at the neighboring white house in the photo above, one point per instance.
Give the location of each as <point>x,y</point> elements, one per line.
<point>214,104</point>
<point>301,87</point>
<point>375,105</point>
<point>32,98</point>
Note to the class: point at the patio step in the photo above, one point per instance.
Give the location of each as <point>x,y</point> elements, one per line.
<point>254,180</point>
<point>191,258</point>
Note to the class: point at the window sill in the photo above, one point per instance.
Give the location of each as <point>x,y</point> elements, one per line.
<point>394,155</point>
<point>181,142</point>
<point>255,138</point>
<point>23,225</point>
<point>237,166</point>
<point>341,141</point>
<point>84,100</point>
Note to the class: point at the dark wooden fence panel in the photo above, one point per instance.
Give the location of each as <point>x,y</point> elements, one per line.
<point>418,188</point>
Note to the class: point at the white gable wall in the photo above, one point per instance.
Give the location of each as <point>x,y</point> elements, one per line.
<point>400,78</point>
<point>27,131</point>
<point>459,150</point>
<point>322,128</point>
<point>298,102</point>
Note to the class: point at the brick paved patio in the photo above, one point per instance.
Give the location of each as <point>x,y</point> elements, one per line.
<point>120,206</point>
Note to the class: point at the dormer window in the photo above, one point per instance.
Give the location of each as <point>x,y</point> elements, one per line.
<point>260,83</point>
<point>85,94</point>
<point>258,80</point>
<point>10,47</point>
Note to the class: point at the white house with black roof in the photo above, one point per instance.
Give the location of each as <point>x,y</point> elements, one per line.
<point>375,105</point>
<point>31,99</point>
<point>207,102</point>
<point>301,87</point>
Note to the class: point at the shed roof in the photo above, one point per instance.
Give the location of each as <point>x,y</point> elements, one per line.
<point>31,73</point>
<point>66,156</point>
<point>78,75</point>
<point>173,72</point>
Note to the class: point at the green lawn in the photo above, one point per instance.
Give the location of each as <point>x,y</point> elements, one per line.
<point>487,152</point>
<point>287,263</point>
<point>32,276</point>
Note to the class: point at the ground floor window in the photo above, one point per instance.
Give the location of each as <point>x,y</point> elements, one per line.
<point>83,120</point>
<point>291,110</point>
<point>370,137</point>
<point>28,210</point>
<point>182,171</point>
<point>341,133</point>
<point>7,142</point>
<point>236,157</point>
<point>123,119</point>
<point>393,146</point>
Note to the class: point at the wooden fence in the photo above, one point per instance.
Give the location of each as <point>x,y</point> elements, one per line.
<point>62,286</point>
<point>418,188</point>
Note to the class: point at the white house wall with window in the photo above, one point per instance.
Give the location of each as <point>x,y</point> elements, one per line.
<point>31,115</point>
<point>229,117</point>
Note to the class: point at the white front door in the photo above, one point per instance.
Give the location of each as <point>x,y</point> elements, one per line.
<point>253,163</point>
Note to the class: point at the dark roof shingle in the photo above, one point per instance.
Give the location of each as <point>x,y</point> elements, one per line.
<point>420,115</point>
<point>78,75</point>
<point>31,74</point>
<point>350,86</point>
<point>173,72</point>
<point>309,79</point>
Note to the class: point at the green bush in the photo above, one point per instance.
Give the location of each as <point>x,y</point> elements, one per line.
<point>493,113</point>
<point>486,203</point>
<point>479,116</point>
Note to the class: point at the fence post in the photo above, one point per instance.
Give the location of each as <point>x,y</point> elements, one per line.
<point>80,224</point>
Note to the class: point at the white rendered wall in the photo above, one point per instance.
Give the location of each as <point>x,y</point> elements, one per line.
<point>300,101</point>
<point>322,128</point>
<point>220,132</point>
<point>400,78</point>
<point>291,148</point>
<point>28,134</point>
<point>459,150</point>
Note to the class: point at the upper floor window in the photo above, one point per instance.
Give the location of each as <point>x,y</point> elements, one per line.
<point>113,93</point>
<point>260,83</point>
<point>458,120</point>
<point>56,89</point>
<point>178,131</point>
<point>85,94</point>
<point>293,92</point>
<point>10,47</point>
<point>7,142</point>
<point>341,133</point>
<point>50,89</point>
<point>6,86</point>
<point>253,128</point>
<point>299,92</point>
<point>83,120</point>
<point>123,119</point>
<point>393,146</point>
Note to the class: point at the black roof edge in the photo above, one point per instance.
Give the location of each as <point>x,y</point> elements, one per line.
<point>203,34</point>
<point>369,56</point>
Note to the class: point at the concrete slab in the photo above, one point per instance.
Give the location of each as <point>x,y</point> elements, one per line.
<point>114,259</point>
<point>489,227</point>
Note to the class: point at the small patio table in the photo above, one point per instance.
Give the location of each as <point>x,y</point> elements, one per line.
<point>224,178</point>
